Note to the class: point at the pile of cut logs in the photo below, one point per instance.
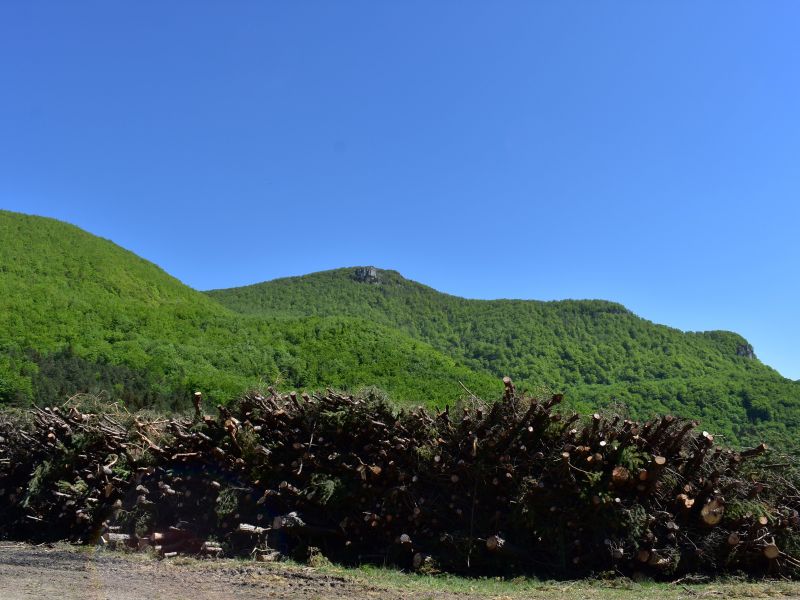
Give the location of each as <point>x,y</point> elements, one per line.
<point>505,488</point>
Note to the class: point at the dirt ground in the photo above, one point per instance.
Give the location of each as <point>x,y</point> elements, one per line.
<point>41,572</point>
<point>69,573</point>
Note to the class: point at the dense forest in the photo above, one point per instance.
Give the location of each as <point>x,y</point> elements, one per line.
<point>596,351</point>
<point>79,313</point>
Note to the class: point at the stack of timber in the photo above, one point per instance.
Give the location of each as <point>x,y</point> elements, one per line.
<point>505,488</point>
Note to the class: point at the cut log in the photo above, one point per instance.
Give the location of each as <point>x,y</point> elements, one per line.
<point>712,512</point>
<point>620,476</point>
<point>760,449</point>
<point>198,399</point>
<point>494,543</point>
<point>255,530</point>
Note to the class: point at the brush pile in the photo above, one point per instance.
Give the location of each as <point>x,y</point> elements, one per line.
<point>512,487</point>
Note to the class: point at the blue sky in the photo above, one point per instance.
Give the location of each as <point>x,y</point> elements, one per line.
<point>643,152</point>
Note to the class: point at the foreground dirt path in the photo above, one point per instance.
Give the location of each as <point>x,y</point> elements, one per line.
<point>66,573</point>
<point>40,572</point>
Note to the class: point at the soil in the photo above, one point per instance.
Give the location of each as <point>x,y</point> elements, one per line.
<point>56,572</point>
<point>70,573</point>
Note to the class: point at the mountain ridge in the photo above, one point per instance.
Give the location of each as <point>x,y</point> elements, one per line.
<point>594,350</point>
<point>261,304</point>
<point>397,274</point>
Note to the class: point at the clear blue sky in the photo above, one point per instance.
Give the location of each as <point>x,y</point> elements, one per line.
<point>643,152</point>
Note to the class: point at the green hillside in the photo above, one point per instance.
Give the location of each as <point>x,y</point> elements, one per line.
<point>79,313</point>
<point>594,350</point>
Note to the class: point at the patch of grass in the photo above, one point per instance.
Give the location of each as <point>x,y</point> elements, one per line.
<point>742,509</point>
<point>227,503</point>
<point>523,587</point>
<point>325,490</point>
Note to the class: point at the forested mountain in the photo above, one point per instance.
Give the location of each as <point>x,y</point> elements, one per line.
<point>595,351</point>
<point>79,313</point>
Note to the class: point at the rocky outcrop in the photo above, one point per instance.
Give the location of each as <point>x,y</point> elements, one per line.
<point>367,275</point>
